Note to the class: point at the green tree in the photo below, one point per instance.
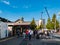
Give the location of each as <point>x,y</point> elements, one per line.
<point>48,25</point>
<point>37,27</point>
<point>41,26</point>
<point>33,24</point>
<point>55,22</point>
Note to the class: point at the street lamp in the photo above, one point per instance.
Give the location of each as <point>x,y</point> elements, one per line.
<point>59,22</point>
<point>55,25</point>
<point>42,20</point>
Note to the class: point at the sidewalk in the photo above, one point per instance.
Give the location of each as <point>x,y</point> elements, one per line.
<point>56,35</point>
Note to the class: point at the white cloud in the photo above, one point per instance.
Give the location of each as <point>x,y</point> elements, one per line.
<point>0,11</point>
<point>6,2</point>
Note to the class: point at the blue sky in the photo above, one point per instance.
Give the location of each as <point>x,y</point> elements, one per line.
<point>15,9</point>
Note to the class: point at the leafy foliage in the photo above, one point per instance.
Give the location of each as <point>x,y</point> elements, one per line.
<point>52,23</point>
<point>33,24</point>
<point>48,24</point>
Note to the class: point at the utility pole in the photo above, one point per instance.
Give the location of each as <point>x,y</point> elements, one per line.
<point>41,20</point>
<point>55,24</point>
<point>59,23</point>
<point>59,20</point>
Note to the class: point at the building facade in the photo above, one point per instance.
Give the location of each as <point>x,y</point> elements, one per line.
<point>3,30</point>
<point>18,25</point>
<point>21,25</point>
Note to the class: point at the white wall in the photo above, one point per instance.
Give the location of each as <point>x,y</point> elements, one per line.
<point>40,21</point>
<point>4,30</point>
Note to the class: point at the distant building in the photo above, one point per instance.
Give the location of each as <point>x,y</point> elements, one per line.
<point>37,22</point>
<point>21,25</point>
<point>18,24</point>
<point>41,22</point>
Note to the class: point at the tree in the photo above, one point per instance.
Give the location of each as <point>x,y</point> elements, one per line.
<point>33,24</point>
<point>55,22</point>
<point>48,25</point>
<point>37,27</point>
<point>41,26</point>
<point>52,23</point>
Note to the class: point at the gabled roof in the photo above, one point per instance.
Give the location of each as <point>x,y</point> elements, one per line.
<point>17,20</point>
<point>4,20</point>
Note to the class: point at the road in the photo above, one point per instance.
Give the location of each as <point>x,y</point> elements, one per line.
<point>33,41</point>
<point>44,42</point>
<point>12,41</point>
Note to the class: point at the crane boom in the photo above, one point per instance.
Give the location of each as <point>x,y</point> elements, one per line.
<point>47,12</point>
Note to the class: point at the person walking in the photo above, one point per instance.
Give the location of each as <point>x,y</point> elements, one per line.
<point>30,34</point>
<point>24,35</point>
<point>35,32</point>
<point>18,33</point>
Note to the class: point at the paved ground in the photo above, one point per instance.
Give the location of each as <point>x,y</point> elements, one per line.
<point>33,41</point>
<point>12,41</point>
<point>44,42</point>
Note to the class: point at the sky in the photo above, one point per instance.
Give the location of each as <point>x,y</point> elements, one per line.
<point>15,9</point>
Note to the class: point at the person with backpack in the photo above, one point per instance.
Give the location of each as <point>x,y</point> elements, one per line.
<point>30,34</point>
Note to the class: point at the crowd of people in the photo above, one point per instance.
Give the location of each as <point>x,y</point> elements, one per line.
<point>27,33</point>
<point>36,34</point>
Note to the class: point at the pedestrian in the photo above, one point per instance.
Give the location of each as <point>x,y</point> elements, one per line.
<point>18,33</point>
<point>37,36</point>
<point>24,34</point>
<point>30,34</point>
<point>27,32</point>
<point>45,33</point>
<point>35,32</point>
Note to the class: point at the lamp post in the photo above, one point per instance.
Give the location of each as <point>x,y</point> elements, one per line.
<point>59,20</point>
<point>55,24</point>
<point>42,20</point>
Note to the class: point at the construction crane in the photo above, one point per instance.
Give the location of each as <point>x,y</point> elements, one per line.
<point>49,16</point>
<point>47,12</point>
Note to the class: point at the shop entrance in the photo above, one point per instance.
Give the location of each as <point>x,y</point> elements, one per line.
<point>21,28</point>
